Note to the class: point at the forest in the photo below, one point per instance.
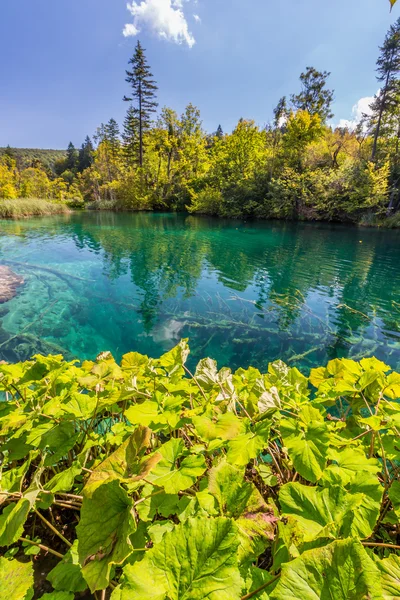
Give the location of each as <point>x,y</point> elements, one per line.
<point>297,167</point>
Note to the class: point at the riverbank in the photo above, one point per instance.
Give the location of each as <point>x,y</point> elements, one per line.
<point>31,207</point>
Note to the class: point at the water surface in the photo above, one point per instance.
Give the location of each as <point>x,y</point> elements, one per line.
<point>244,293</point>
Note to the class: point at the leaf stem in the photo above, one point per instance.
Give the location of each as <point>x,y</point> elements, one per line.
<point>379,545</point>
<point>260,589</point>
<point>41,546</point>
<point>60,535</point>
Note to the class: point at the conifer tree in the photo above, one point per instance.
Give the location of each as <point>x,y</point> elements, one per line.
<point>143,96</point>
<point>388,69</point>
<point>314,97</point>
<point>71,162</point>
<point>219,133</point>
<point>130,136</point>
<point>85,159</point>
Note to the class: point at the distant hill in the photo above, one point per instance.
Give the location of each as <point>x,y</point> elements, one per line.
<point>26,156</point>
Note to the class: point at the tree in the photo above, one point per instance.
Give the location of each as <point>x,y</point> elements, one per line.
<point>143,95</point>
<point>314,97</point>
<point>130,135</point>
<point>219,133</point>
<point>388,69</point>
<point>71,162</point>
<point>85,159</point>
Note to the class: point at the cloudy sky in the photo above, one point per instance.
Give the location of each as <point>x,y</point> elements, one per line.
<point>63,61</point>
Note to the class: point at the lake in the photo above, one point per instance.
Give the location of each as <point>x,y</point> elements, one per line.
<point>244,293</point>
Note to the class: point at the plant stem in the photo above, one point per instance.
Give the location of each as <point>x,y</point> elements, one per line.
<point>60,535</point>
<point>260,589</point>
<point>41,546</point>
<point>379,545</point>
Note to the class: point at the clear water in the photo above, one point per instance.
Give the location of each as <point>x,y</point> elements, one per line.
<point>244,293</point>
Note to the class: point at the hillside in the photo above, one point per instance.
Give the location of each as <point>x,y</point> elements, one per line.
<point>25,157</point>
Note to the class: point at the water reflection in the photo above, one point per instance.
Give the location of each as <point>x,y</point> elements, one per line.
<point>244,293</point>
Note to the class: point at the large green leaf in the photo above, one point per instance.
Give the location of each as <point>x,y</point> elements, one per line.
<point>341,571</point>
<point>248,445</point>
<point>241,500</point>
<point>67,574</point>
<point>172,477</point>
<point>103,533</point>
<point>225,426</point>
<point>12,521</point>
<point>127,462</point>
<point>16,580</point>
<point>390,577</point>
<point>319,511</point>
<point>307,442</point>
<point>196,560</point>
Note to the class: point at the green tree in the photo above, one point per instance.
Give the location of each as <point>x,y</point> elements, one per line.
<point>143,95</point>
<point>71,162</point>
<point>85,159</point>
<point>388,69</point>
<point>314,97</point>
<point>130,136</point>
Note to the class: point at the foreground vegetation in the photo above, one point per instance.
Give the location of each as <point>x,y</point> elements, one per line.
<point>150,482</point>
<point>30,207</point>
<point>300,166</point>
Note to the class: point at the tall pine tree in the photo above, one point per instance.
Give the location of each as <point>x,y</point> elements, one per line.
<point>143,97</point>
<point>388,69</point>
<point>86,151</point>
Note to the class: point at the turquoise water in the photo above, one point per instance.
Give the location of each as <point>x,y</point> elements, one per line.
<point>244,293</point>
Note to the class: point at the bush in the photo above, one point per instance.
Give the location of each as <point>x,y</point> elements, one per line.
<point>156,483</point>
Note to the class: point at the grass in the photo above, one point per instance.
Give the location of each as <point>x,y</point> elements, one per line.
<point>30,207</point>
<point>393,221</point>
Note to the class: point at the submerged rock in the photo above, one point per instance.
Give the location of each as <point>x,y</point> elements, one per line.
<point>9,283</point>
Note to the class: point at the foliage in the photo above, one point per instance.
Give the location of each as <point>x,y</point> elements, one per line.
<point>157,483</point>
<point>300,166</point>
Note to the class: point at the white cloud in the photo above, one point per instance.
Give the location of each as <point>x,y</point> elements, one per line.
<point>359,109</point>
<point>165,18</point>
<point>130,30</point>
<point>197,18</point>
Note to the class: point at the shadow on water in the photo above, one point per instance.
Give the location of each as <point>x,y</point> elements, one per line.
<point>244,293</point>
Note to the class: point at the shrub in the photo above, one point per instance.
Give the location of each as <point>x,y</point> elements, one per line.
<point>157,483</point>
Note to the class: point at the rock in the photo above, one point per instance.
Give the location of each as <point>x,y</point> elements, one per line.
<point>9,283</point>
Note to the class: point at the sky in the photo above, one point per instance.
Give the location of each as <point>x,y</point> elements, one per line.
<point>62,67</point>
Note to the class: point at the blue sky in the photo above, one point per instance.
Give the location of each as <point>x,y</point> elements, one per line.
<point>63,62</point>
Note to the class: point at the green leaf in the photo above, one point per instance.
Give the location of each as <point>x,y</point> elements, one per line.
<point>367,493</point>
<point>347,463</point>
<point>307,442</point>
<point>225,427</point>
<point>67,575</point>
<point>229,487</point>
<point>319,511</point>
<point>155,503</point>
<point>196,560</point>
<point>248,445</point>
<point>174,360</point>
<point>103,533</point>
<point>341,571</point>
<point>169,475</point>
<point>58,596</point>
<point>16,580</point>
<point>127,462</point>
<point>64,481</point>
<point>254,579</point>
<point>12,521</point>
<point>390,576</point>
